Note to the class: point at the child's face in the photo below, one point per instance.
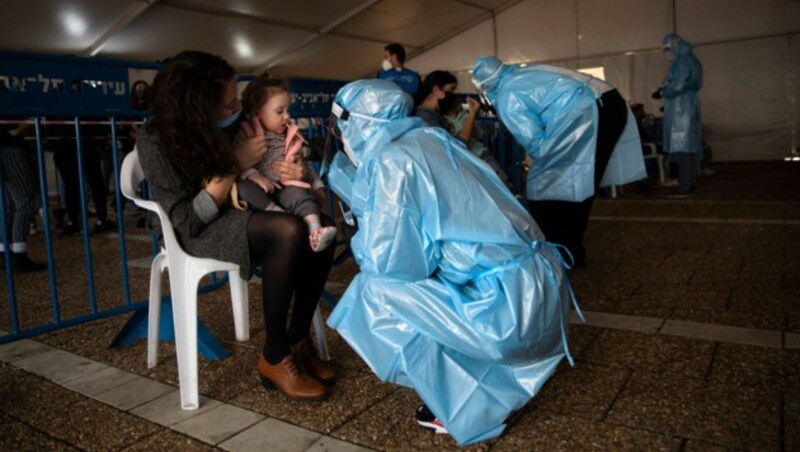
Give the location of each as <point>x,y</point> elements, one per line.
<point>274,115</point>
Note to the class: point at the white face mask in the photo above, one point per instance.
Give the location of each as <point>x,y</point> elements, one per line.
<point>349,152</point>
<point>386,65</point>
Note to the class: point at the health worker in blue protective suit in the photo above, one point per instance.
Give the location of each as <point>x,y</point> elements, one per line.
<point>459,297</point>
<point>683,136</point>
<point>579,132</point>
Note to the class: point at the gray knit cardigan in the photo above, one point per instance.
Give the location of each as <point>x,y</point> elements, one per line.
<point>202,228</point>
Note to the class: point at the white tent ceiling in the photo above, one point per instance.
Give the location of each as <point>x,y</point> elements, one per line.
<point>750,48</point>
<point>310,38</point>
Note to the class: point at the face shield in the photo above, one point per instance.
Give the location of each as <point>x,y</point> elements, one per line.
<point>336,141</point>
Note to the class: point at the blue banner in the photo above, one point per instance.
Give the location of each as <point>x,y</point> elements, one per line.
<point>62,86</point>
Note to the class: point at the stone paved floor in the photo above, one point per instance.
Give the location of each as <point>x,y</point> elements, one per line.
<point>692,341</point>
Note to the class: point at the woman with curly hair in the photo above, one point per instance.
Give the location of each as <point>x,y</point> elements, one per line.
<point>189,158</point>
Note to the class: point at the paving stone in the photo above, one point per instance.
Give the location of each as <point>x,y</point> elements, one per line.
<point>133,393</point>
<point>91,385</point>
<point>21,349</point>
<point>59,366</point>
<point>618,321</point>
<point>792,340</point>
<point>719,333</point>
<point>219,424</point>
<point>585,391</point>
<point>791,421</point>
<point>328,444</point>
<point>736,417</point>
<point>653,353</point>
<point>169,440</point>
<point>66,415</point>
<point>17,436</point>
<point>540,430</point>
<point>274,435</point>
<point>166,410</point>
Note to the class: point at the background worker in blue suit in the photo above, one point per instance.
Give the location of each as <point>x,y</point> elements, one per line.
<point>458,297</point>
<point>394,60</point>
<point>579,132</point>
<point>683,136</point>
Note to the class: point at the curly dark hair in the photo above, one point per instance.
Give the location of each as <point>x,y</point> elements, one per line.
<point>259,90</point>
<point>435,78</point>
<point>186,95</point>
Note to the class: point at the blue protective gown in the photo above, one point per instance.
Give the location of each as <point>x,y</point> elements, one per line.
<point>552,113</point>
<point>682,127</point>
<point>458,296</point>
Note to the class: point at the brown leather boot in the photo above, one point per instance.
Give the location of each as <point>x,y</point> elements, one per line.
<point>305,355</point>
<point>290,380</point>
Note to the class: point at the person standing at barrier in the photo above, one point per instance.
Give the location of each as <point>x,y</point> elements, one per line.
<point>189,159</point>
<point>579,132</point>
<point>19,185</point>
<point>458,296</point>
<point>394,60</point>
<point>65,156</point>
<point>266,100</point>
<point>683,135</point>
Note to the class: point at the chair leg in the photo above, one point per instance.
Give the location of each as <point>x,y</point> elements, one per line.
<point>661,175</point>
<point>184,309</point>
<point>319,330</point>
<point>154,308</point>
<point>239,301</point>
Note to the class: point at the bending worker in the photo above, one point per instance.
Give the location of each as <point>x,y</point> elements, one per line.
<point>459,297</point>
<point>579,132</point>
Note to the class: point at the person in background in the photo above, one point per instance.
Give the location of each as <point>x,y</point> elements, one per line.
<point>18,182</point>
<point>579,132</point>
<point>437,96</point>
<point>683,136</point>
<point>394,59</point>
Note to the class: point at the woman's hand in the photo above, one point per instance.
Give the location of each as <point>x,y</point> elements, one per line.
<point>292,169</point>
<point>219,188</point>
<point>251,150</point>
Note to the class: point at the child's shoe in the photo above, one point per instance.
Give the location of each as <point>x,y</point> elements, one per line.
<point>321,238</point>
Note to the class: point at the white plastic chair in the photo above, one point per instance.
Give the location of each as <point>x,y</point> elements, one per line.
<point>185,273</point>
<point>653,154</point>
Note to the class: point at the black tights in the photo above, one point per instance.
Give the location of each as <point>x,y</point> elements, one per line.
<point>279,242</point>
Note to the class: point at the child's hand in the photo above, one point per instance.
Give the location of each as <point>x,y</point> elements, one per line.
<point>262,181</point>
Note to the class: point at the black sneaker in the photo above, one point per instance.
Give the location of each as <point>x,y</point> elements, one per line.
<point>103,226</point>
<point>70,229</point>
<point>426,419</point>
<point>24,264</point>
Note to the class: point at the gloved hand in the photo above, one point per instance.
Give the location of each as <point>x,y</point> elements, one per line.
<point>656,94</point>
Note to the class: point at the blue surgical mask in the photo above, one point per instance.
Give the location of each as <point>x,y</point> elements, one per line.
<point>227,122</point>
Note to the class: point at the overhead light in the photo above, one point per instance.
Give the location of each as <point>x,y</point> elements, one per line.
<point>74,23</point>
<point>630,53</point>
<point>523,64</point>
<point>791,159</point>
<point>243,47</point>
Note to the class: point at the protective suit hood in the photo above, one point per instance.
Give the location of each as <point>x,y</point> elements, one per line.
<point>677,45</point>
<point>486,73</point>
<point>366,107</point>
